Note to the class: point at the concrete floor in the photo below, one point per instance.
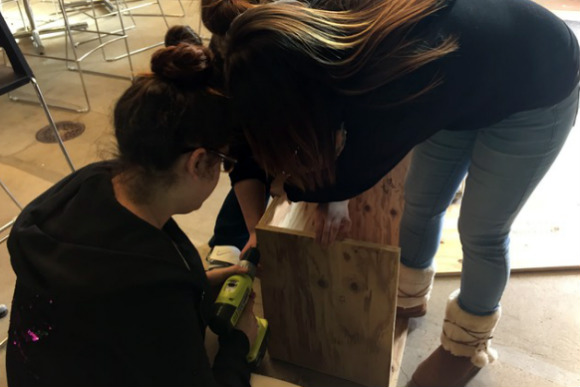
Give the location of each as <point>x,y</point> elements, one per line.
<point>538,337</point>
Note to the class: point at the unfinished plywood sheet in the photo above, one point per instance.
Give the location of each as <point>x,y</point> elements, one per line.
<point>544,236</point>
<point>331,310</point>
<point>538,248</point>
<point>375,214</point>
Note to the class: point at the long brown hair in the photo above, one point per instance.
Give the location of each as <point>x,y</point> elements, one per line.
<point>287,64</point>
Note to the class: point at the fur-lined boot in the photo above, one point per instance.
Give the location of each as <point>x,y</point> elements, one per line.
<point>414,291</point>
<point>465,348</point>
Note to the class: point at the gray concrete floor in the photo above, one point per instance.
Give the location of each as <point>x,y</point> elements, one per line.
<point>538,337</point>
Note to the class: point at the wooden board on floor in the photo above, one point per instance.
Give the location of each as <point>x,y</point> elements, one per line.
<point>542,239</point>
<point>539,256</point>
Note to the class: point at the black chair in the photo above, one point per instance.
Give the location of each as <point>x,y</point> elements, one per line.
<point>20,74</point>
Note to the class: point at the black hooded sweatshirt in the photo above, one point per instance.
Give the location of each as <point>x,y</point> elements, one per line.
<point>105,298</point>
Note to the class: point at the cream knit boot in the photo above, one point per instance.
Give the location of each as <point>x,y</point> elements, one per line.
<point>414,290</point>
<point>465,348</point>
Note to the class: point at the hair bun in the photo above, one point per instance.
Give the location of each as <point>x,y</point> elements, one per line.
<point>217,15</point>
<point>182,34</point>
<point>184,62</point>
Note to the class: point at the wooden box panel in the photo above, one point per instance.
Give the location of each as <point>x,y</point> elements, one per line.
<point>330,310</point>
<point>333,309</point>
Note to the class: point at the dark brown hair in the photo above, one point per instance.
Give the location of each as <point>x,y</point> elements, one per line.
<point>170,109</point>
<point>182,34</point>
<point>217,15</point>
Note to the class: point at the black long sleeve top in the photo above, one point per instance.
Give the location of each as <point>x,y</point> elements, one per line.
<point>104,298</point>
<point>513,56</point>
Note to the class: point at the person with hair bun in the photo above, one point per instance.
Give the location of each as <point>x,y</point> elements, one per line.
<point>109,290</point>
<point>486,89</point>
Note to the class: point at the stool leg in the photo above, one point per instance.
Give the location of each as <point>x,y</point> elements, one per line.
<point>52,123</point>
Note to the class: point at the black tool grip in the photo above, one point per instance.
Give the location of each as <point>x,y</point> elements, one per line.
<point>251,255</point>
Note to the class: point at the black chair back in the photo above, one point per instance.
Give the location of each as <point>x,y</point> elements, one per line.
<point>20,73</point>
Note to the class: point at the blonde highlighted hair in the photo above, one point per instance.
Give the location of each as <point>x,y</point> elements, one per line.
<point>282,56</point>
<point>351,36</point>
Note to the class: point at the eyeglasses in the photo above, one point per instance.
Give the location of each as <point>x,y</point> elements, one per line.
<point>227,162</point>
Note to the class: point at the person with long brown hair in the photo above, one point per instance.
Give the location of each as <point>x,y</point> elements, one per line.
<point>109,290</point>
<point>332,95</point>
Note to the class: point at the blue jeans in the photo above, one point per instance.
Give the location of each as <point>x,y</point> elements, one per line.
<point>504,163</point>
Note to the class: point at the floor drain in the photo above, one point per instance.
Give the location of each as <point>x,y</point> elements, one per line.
<point>67,130</point>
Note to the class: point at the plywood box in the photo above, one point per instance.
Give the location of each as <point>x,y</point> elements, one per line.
<point>333,310</point>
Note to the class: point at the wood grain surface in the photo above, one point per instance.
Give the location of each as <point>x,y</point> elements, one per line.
<point>333,310</point>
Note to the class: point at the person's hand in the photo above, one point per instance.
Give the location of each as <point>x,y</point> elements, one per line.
<point>332,221</point>
<point>252,242</point>
<point>277,186</point>
<point>247,322</point>
<point>216,277</point>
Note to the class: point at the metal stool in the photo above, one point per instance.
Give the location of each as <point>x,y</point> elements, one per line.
<point>20,74</point>
<point>6,226</point>
<point>126,9</point>
<point>73,56</point>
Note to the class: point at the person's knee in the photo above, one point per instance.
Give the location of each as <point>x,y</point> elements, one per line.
<point>484,240</point>
<point>423,211</point>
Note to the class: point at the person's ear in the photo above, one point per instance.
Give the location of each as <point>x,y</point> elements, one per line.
<point>195,164</point>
